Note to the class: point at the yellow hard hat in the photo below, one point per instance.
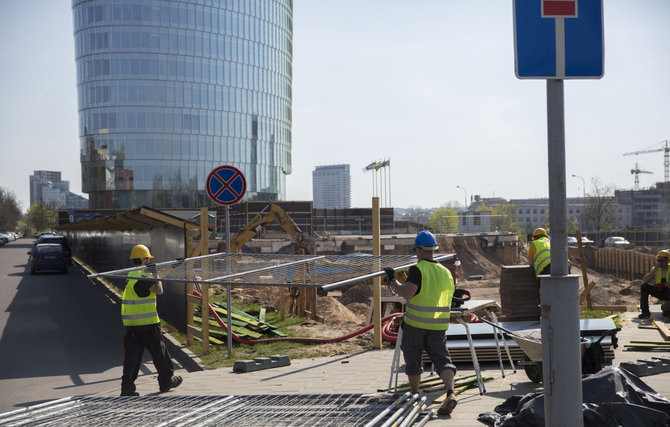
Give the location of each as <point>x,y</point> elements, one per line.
<point>140,251</point>
<point>663,253</point>
<point>539,232</point>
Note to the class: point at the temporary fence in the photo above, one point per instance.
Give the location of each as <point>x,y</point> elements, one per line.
<point>261,410</point>
<point>623,263</point>
<point>325,271</point>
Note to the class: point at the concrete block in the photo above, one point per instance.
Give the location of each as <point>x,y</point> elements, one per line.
<point>261,363</point>
<point>644,367</point>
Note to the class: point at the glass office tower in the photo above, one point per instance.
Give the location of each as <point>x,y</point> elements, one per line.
<point>170,90</point>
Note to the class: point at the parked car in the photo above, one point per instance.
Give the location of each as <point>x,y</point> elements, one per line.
<point>48,256</point>
<point>616,242</point>
<point>58,239</point>
<point>4,239</point>
<point>586,241</point>
<point>572,241</point>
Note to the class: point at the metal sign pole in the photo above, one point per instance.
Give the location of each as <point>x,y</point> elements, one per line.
<point>559,291</point>
<point>229,306</point>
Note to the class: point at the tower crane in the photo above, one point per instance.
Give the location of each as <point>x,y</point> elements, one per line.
<point>637,171</point>
<point>666,158</point>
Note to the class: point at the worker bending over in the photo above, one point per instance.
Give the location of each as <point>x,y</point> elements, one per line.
<point>660,277</point>
<point>428,290</point>
<point>539,252</point>
<point>143,329</point>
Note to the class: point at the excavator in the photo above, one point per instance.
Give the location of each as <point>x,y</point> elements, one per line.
<point>304,245</point>
<point>273,213</point>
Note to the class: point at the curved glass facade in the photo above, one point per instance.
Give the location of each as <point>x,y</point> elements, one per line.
<point>169,90</point>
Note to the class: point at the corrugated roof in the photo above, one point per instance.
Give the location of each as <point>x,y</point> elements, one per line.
<point>142,218</point>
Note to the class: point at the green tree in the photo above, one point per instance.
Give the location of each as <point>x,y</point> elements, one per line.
<point>503,217</point>
<point>10,214</point>
<point>40,218</point>
<point>600,207</point>
<point>444,220</point>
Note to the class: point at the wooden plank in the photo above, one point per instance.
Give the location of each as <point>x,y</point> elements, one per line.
<point>665,332</point>
<point>194,331</point>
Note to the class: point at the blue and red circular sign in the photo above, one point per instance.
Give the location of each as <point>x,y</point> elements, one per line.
<point>226,185</point>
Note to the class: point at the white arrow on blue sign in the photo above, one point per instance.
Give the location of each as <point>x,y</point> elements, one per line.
<point>558,39</point>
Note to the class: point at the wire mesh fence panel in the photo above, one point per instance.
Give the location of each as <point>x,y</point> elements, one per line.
<point>325,271</point>
<point>160,411</point>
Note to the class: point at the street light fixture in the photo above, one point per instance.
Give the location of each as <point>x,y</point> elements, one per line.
<point>465,205</point>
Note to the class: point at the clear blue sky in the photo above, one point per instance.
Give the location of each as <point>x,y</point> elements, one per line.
<point>429,84</point>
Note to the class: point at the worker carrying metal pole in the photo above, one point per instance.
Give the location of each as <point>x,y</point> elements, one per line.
<point>143,330</point>
<point>429,289</point>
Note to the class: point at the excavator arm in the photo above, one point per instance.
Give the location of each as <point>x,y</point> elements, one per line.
<point>271,213</point>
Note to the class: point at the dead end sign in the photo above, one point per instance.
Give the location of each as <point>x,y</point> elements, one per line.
<point>226,185</point>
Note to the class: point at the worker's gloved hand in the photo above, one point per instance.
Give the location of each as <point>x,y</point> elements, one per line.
<point>390,274</point>
<point>151,269</point>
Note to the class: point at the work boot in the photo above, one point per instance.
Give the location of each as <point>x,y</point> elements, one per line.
<point>448,405</point>
<point>174,383</point>
<point>645,315</point>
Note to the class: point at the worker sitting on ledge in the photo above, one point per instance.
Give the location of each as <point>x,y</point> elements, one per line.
<point>660,277</point>
<point>539,255</point>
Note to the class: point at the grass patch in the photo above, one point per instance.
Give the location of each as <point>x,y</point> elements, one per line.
<point>218,354</point>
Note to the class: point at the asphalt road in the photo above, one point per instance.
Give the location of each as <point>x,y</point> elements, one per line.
<point>61,335</point>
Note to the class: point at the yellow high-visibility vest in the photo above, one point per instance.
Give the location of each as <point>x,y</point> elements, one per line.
<point>431,307</point>
<point>136,310</point>
<point>659,276</point>
<point>542,254</point>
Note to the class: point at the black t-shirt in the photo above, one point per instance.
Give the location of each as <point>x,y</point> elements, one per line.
<point>414,276</point>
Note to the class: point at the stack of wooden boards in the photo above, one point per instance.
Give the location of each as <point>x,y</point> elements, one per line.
<point>519,293</point>
<point>244,325</point>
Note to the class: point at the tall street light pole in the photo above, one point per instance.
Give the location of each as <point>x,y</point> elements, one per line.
<point>466,196</point>
<point>583,185</point>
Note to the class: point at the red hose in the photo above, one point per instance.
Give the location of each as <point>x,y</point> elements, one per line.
<point>298,339</point>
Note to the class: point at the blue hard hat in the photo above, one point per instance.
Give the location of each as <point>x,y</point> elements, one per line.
<point>425,239</point>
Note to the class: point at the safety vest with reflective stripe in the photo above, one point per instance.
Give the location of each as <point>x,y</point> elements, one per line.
<point>542,254</point>
<point>659,276</point>
<point>136,310</point>
<point>430,308</point>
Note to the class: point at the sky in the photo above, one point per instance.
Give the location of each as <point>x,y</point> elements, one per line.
<point>428,84</point>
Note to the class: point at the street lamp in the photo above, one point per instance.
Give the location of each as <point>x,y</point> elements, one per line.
<point>583,185</point>
<point>466,197</point>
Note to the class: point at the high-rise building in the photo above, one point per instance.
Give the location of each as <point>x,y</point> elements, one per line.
<point>169,90</point>
<point>331,186</point>
<point>48,188</point>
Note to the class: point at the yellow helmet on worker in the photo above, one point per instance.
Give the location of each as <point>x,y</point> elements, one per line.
<point>139,252</point>
<point>540,232</point>
<point>663,253</point>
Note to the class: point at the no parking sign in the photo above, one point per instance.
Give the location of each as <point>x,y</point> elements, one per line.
<point>226,185</point>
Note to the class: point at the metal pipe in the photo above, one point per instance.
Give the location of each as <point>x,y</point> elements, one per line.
<point>386,411</point>
<point>412,416</point>
<point>425,419</point>
<point>400,411</point>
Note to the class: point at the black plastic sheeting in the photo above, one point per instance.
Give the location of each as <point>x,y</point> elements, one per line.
<point>611,397</point>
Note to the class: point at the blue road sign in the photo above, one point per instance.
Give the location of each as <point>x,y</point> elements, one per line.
<point>559,39</point>
<point>226,185</point>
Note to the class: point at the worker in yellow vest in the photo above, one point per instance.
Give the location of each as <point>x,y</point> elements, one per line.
<point>143,329</point>
<point>428,290</point>
<point>539,252</point>
<point>659,276</point>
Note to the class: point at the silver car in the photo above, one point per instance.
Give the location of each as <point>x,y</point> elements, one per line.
<point>616,242</point>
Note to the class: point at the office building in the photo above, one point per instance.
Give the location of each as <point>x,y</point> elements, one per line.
<point>48,188</point>
<point>170,90</point>
<point>331,186</point>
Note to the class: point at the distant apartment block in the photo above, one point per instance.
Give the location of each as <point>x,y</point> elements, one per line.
<point>48,188</point>
<point>331,186</point>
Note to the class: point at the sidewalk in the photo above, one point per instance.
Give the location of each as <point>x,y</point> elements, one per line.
<point>367,371</point>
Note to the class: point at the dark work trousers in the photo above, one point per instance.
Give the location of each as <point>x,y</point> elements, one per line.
<point>646,290</point>
<point>138,338</point>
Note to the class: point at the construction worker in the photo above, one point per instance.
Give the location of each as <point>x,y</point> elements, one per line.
<point>539,255</point>
<point>660,277</point>
<point>428,290</point>
<point>143,331</point>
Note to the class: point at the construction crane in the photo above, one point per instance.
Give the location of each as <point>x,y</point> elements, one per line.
<point>637,171</point>
<point>666,157</point>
